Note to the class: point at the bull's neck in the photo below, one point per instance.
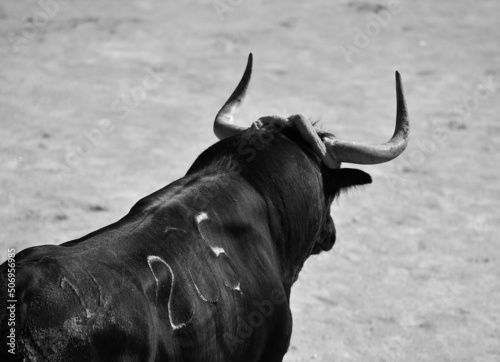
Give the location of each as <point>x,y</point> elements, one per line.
<point>290,183</point>
<point>295,219</point>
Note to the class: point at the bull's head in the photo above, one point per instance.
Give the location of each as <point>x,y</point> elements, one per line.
<point>330,151</point>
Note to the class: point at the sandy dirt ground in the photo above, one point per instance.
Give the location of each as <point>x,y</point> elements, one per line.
<point>414,275</point>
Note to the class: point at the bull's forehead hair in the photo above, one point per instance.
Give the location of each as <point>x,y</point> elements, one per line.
<point>322,130</point>
<point>294,134</point>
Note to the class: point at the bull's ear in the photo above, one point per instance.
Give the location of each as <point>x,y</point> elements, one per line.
<point>345,178</point>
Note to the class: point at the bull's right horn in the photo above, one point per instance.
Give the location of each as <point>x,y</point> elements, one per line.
<point>352,152</point>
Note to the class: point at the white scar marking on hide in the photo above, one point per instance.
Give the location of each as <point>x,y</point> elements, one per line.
<point>216,250</point>
<point>201,216</point>
<point>65,281</point>
<point>172,228</point>
<point>151,259</point>
<point>237,287</point>
<point>199,291</point>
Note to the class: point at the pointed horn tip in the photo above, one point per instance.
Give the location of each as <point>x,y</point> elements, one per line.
<point>248,68</point>
<point>398,77</point>
<point>399,85</point>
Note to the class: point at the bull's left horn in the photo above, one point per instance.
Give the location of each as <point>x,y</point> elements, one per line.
<point>223,125</point>
<point>353,152</point>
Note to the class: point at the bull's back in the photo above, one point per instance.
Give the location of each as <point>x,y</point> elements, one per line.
<point>166,283</point>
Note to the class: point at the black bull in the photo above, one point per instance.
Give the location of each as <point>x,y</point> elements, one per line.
<point>200,270</point>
